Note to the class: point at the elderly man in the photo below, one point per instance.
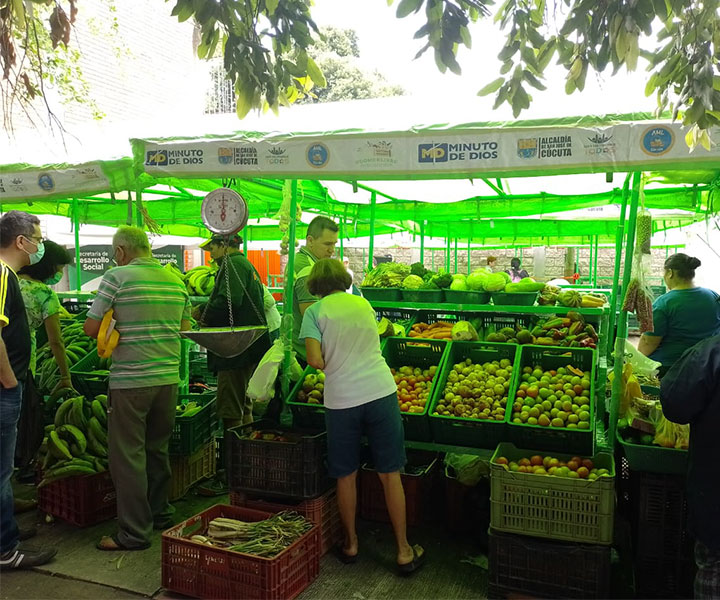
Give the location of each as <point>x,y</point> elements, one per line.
<point>150,307</point>
<point>20,244</point>
<point>322,236</point>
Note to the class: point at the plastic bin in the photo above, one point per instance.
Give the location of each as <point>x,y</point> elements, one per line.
<point>495,322</point>
<point>577,510</point>
<point>524,567</point>
<point>85,376</point>
<point>401,352</point>
<point>323,511</point>
<point>467,297</point>
<point>189,470</point>
<point>514,298</point>
<point>417,488</point>
<point>305,415</point>
<point>381,294</point>
<point>461,431</point>
<point>654,459</point>
<point>192,433</point>
<point>203,571</point>
<point>555,439</point>
<point>290,469</point>
<point>81,500</point>
<point>423,296</point>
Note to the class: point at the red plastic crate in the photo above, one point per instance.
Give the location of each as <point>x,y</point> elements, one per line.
<point>198,570</point>
<point>323,511</point>
<point>81,500</point>
<point>417,494</point>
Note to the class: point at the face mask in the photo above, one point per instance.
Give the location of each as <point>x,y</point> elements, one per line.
<point>54,279</point>
<point>36,257</point>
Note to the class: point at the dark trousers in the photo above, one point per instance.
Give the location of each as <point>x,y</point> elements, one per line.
<point>10,402</point>
<point>140,422</point>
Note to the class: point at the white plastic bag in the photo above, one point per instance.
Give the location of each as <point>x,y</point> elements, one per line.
<point>641,364</point>
<point>261,387</point>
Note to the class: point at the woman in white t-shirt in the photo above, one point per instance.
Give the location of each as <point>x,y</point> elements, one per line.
<point>360,396</point>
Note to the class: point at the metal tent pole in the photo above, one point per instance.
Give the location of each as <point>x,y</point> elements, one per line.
<point>371,245</point>
<point>422,242</point>
<point>468,258</point>
<point>342,243</point>
<point>622,320</point>
<point>597,252</point>
<point>590,262</point>
<point>456,255</point>
<point>76,231</point>
<point>289,292</point>
<point>619,235</point>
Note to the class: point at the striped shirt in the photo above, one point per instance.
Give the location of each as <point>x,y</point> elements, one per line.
<point>149,304</point>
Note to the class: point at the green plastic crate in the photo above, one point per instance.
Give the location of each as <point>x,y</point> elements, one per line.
<point>560,508</point>
<point>305,415</point>
<point>654,459</point>
<point>555,439</point>
<point>460,431</point>
<point>400,316</point>
<point>514,298</point>
<point>494,322</point>
<point>189,434</point>
<point>381,294</point>
<point>423,296</point>
<point>400,352</point>
<point>467,297</point>
<point>85,379</point>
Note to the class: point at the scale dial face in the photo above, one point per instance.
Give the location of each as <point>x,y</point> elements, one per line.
<point>224,211</point>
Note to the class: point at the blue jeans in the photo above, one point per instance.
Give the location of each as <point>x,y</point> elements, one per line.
<point>10,402</point>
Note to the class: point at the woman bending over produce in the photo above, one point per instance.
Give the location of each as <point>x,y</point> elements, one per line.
<point>684,316</point>
<point>341,338</point>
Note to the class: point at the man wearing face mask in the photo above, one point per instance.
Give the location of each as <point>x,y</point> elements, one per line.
<point>150,307</point>
<point>322,236</point>
<point>20,244</point>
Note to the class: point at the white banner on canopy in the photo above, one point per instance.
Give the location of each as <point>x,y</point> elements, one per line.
<point>34,184</point>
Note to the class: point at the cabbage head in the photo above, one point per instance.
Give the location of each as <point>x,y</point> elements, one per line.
<point>458,285</point>
<point>476,281</point>
<point>459,276</point>
<point>505,276</point>
<point>495,282</point>
<point>412,282</point>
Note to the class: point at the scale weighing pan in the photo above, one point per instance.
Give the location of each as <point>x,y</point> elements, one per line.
<point>227,342</point>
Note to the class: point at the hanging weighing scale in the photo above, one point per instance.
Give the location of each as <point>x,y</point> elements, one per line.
<point>224,212</point>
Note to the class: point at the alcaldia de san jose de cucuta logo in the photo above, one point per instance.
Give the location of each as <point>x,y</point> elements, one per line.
<point>445,152</point>
<point>163,158</point>
<point>46,182</point>
<point>550,146</point>
<point>657,140</point>
<point>238,155</point>
<point>318,155</point>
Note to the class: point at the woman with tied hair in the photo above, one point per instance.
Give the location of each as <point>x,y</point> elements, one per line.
<point>360,397</point>
<point>684,316</point>
<point>515,272</point>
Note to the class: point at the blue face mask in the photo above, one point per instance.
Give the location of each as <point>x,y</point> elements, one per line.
<point>54,279</point>
<point>36,257</point>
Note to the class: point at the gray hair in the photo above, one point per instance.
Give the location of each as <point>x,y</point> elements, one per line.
<point>132,239</point>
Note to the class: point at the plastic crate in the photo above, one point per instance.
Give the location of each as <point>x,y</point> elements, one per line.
<point>191,433</point>
<point>75,307</point>
<point>494,322</point>
<point>85,379</point>
<point>305,415</point>
<point>81,500</point>
<point>514,298</point>
<point>401,352</point>
<point>399,316</point>
<point>417,488</point>
<point>467,297</point>
<point>523,566</point>
<point>203,571</point>
<point>555,439</point>
<point>189,470</point>
<point>291,469</point>
<point>322,511</point>
<point>423,296</point>
<point>666,577</point>
<point>654,459</point>
<point>381,294</point>
<point>467,508</point>
<point>577,510</point>
<point>460,431</point>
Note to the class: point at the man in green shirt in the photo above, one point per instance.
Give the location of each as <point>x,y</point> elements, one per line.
<point>322,236</point>
<point>150,306</point>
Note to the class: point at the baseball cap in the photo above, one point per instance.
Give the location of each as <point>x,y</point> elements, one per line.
<point>233,241</point>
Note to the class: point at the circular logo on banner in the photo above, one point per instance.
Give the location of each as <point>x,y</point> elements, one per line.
<point>318,155</point>
<point>46,182</point>
<point>656,141</point>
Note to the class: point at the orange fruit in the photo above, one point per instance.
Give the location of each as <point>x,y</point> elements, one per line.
<point>583,472</point>
<point>573,465</point>
<point>524,462</point>
<point>536,460</point>
<point>501,460</point>
<point>588,464</point>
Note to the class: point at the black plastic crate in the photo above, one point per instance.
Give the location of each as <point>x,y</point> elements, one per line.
<point>294,468</point>
<point>400,352</point>
<point>667,577</point>
<point>191,433</point>
<point>524,566</point>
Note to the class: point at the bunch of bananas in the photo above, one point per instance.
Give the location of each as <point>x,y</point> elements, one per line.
<point>76,443</point>
<point>77,346</point>
<point>200,281</point>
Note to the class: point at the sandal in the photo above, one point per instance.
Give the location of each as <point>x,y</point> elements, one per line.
<point>343,557</point>
<point>417,561</point>
<point>117,546</point>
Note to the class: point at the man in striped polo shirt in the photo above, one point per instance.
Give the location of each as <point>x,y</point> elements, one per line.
<point>151,307</point>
